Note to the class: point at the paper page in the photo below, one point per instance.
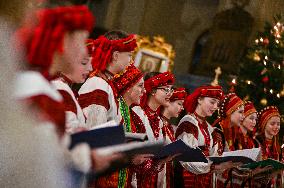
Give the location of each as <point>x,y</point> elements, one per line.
<point>111,123</point>
<point>140,136</point>
<point>253,153</point>
<point>125,147</point>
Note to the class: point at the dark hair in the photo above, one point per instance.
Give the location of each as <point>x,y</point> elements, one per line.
<point>116,34</point>
<point>56,3</point>
<point>150,75</point>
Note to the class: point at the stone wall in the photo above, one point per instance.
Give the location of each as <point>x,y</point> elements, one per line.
<point>181,22</point>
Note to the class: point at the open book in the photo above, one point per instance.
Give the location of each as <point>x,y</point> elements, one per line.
<point>128,150</point>
<point>130,137</point>
<point>244,156</point>
<point>187,154</point>
<point>132,148</point>
<point>103,135</point>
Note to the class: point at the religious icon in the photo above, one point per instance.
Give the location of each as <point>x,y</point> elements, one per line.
<point>148,61</point>
<point>154,56</point>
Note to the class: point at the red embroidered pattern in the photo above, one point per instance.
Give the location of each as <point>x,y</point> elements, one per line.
<point>244,141</point>
<point>147,174</point>
<point>187,127</point>
<point>218,139</point>
<point>269,150</point>
<point>50,110</point>
<point>203,126</point>
<point>98,97</point>
<point>110,83</point>
<point>154,120</point>
<point>201,180</point>
<point>69,104</point>
<point>168,129</point>
<point>137,122</point>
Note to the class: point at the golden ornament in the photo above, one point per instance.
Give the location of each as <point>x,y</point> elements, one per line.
<point>256,57</point>
<point>263,102</point>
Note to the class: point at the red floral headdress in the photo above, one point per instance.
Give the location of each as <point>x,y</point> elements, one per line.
<point>90,46</point>
<point>249,108</point>
<point>44,39</point>
<point>265,114</point>
<point>127,79</point>
<point>162,79</point>
<point>103,48</point>
<point>203,91</point>
<point>229,104</point>
<point>154,82</point>
<point>178,94</point>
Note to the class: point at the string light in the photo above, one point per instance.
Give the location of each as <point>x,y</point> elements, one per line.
<point>249,82</point>
<point>261,39</point>
<point>234,81</point>
<point>277,41</point>
<point>266,57</point>
<point>279,67</point>
<point>278,95</point>
<point>256,41</point>
<point>278,24</point>
<point>271,91</point>
<point>264,62</point>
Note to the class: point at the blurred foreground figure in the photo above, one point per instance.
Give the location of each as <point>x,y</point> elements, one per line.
<point>26,152</point>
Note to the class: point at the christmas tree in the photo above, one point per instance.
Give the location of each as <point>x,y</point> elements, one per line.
<point>261,75</point>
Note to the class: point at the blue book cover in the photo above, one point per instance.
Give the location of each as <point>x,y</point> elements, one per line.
<point>187,154</point>
<point>100,137</point>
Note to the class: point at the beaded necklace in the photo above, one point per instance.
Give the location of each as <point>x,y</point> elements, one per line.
<point>153,119</point>
<point>204,130</point>
<point>167,129</point>
<point>124,110</point>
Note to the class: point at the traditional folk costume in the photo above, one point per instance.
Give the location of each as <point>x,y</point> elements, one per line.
<point>269,148</point>
<point>246,141</point>
<point>33,87</point>
<point>75,117</point>
<point>195,131</point>
<point>74,113</point>
<point>169,134</point>
<point>98,95</point>
<point>229,104</point>
<point>123,82</point>
<point>148,121</point>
